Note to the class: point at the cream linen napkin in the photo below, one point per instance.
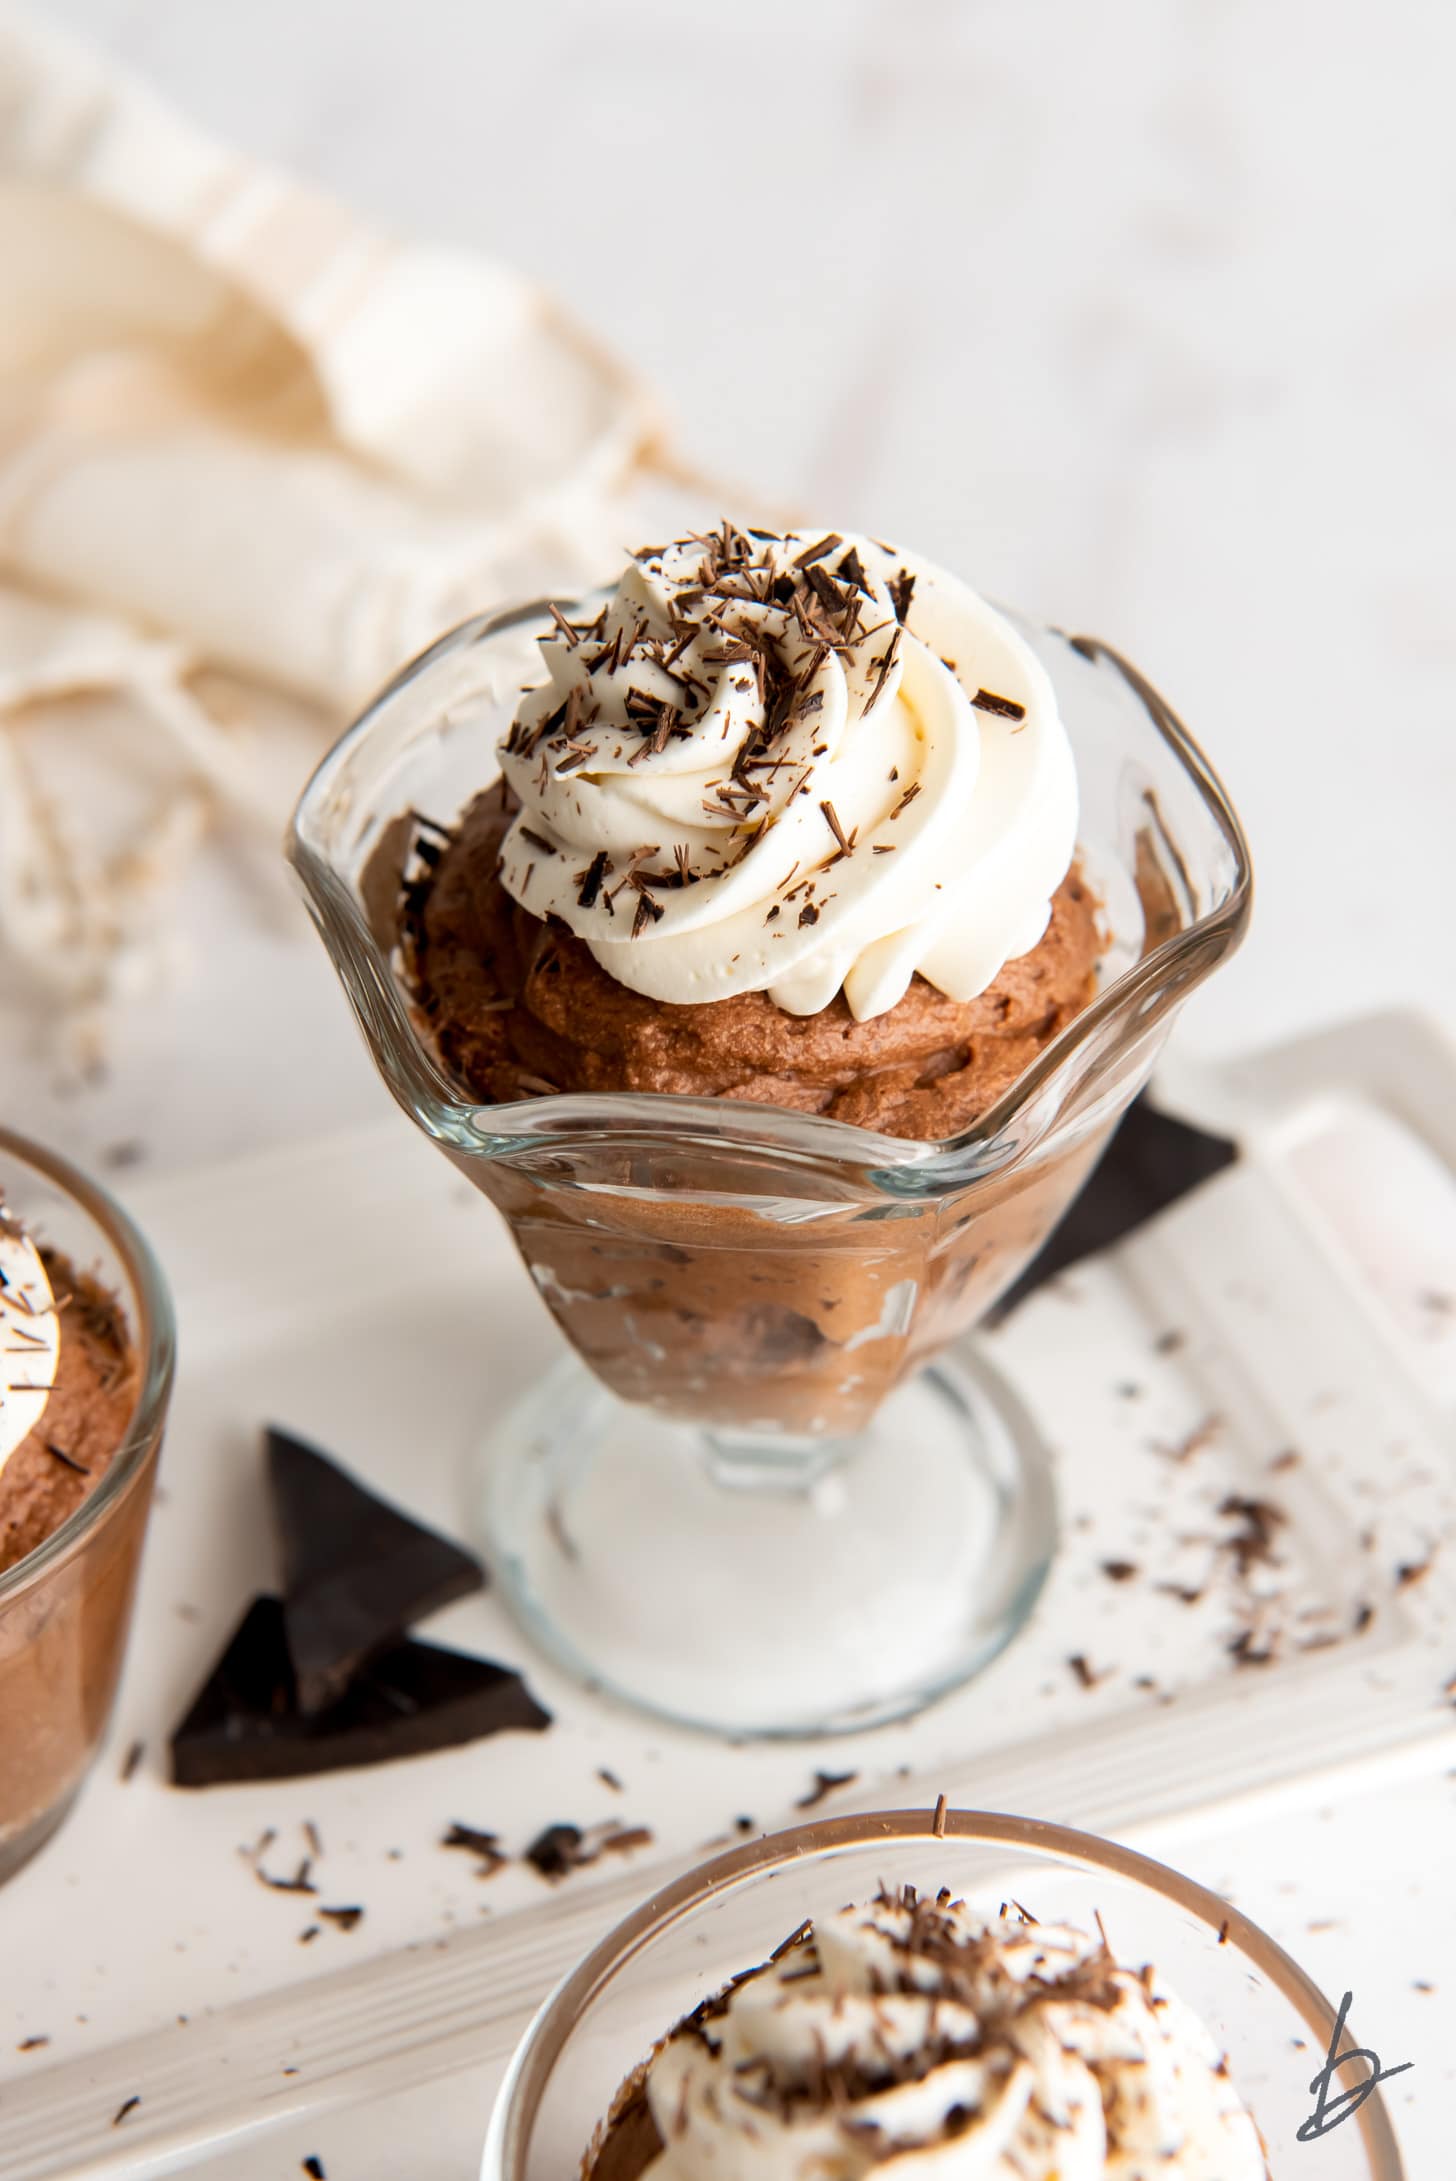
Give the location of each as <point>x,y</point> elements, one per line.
<point>239,429</point>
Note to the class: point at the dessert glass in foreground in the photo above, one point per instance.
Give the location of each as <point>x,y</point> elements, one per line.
<point>765,1507</point>
<point>593,2035</point>
<point>66,1600</point>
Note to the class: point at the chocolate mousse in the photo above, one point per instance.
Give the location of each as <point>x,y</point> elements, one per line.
<point>761,836</point>
<point>68,1401</point>
<point>915,2030</point>
<point>789,820</point>
<point>518,1008</point>
<point>67,1452</point>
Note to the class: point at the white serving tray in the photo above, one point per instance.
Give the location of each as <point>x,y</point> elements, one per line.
<point>360,1293</point>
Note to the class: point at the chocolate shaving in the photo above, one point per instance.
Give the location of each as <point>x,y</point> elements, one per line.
<point>811,553</point>
<point>901,588</point>
<point>69,1461</point>
<point>485,1847</point>
<point>128,2106</point>
<point>882,675</point>
<point>591,879</point>
<point>345,1919</point>
<point>831,819</point>
<point>647,912</point>
<point>561,1849</point>
<point>986,700</point>
<point>824,1784</point>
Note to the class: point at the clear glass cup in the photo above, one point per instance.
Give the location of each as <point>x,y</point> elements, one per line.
<point>65,1609</point>
<point>684,1944</point>
<point>763,1497</point>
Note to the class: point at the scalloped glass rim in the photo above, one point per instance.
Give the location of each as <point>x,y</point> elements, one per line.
<point>544,2040</point>
<point>899,1164</point>
<point>157,1339</point>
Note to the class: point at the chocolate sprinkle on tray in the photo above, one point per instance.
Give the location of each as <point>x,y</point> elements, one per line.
<point>313,2166</point>
<point>129,2106</point>
<point>32,2044</point>
<point>344,1919</point>
<point>132,1759</point>
<point>1083,1672</point>
<point>486,1847</point>
<point>561,1849</point>
<point>824,1784</point>
<point>1119,1571</point>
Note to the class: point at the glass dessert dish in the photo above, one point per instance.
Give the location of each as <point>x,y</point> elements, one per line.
<point>65,1606</point>
<point>762,1497</point>
<point>1271,2022</point>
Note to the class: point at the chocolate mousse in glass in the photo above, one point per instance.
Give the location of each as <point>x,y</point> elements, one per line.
<point>1007,1998</point>
<point>775,938</point>
<point>87,1354</point>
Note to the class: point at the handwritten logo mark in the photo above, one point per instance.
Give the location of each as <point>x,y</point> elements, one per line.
<point>1329,2110</point>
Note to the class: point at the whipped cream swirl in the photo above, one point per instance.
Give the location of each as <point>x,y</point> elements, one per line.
<point>914,2038</point>
<point>791,764</point>
<point>30,1336</point>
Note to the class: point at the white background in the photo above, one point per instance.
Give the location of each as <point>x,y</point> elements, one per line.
<point>1141,316</point>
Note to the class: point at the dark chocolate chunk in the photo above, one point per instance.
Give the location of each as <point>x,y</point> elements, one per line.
<point>244,1723</point>
<point>1152,1160</point>
<point>356,1572</point>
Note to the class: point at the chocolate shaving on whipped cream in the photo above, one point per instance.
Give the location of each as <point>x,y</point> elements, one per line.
<point>749,708</point>
<point>914,2035</point>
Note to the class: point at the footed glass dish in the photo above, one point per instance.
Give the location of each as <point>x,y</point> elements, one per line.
<point>770,1491</point>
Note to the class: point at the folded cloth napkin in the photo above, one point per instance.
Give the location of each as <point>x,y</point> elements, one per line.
<point>240,429</point>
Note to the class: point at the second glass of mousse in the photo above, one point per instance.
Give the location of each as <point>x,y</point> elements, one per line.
<point>86,1342</point>
<point>778,960</point>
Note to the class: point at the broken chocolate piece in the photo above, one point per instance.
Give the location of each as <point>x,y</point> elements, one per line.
<point>356,1572</point>
<point>1151,1161</point>
<point>244,1723</point>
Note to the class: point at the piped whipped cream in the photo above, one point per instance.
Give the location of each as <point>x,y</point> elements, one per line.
<point>791,763</point>
<point>915,2038</point>
<point>29,1336</point>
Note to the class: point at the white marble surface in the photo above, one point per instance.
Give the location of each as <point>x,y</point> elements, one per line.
<point>1141,316</point>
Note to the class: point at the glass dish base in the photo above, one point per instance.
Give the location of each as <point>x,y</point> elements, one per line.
<point>769,1587</point>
